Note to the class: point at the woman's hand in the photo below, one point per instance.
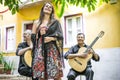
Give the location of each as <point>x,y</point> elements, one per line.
<point>48,39</point>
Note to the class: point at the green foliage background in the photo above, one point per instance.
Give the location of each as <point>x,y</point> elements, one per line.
<point>13,5</point>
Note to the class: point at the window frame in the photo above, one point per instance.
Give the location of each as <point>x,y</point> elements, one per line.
<point>66,45</point>
<point>24,27</point>
<point>5,37</point>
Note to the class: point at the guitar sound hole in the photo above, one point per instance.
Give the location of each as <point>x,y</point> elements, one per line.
<point>77,61</point>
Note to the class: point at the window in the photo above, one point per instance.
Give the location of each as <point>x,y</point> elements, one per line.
<point>10,39</point>
<point>26,26</point>
<point>73,25</point>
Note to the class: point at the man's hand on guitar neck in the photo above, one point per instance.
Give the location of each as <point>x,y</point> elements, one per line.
<point>90,51</point>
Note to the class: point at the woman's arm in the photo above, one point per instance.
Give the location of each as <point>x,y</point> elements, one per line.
<point>34,28</point>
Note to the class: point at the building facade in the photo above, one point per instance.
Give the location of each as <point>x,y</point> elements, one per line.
<point>105,18</point>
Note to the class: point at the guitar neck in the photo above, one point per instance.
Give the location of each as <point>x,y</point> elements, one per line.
<point>91,45</point>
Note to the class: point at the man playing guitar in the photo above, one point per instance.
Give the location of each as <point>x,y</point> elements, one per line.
<point>73,53</point>
<point>24,69</point>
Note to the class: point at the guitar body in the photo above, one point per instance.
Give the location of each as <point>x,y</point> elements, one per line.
<point>28,58</point>
<point>80,64</point>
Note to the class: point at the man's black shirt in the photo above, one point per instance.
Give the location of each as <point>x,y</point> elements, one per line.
<point>21,46</point>
<point>23,69</point>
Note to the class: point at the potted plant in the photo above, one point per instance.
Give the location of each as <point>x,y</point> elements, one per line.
<point>8,67</point>
<point>1,63</point>
<point>1,58</point>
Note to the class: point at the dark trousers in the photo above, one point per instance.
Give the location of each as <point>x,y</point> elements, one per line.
<point>88,74</point>
<point>34,78</point>
<point>25,71</point>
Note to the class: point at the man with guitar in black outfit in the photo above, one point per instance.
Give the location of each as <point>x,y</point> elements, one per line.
<point>73,52</point>
<point>24,69</point>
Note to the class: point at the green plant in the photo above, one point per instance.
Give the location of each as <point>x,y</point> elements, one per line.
<point>8,66</point>
<point>14,5</point>
<point>1,58</point>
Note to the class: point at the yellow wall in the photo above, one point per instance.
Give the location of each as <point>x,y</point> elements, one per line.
<point>106,18</point>
<point>26,14</point>
<point>7,20</point>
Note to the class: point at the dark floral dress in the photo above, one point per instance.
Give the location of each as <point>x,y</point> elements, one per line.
<point>49,65</point>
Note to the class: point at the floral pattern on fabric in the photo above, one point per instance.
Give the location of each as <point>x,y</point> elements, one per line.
<point>38,62</point>
<point>54,66</point>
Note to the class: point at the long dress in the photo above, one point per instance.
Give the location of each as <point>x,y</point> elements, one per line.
<point>48,61</point>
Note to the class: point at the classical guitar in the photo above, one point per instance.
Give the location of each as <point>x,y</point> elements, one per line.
<point>27,59</point>
<point>80,64</point>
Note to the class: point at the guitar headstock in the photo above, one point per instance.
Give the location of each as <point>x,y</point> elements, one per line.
<point>101,34</point>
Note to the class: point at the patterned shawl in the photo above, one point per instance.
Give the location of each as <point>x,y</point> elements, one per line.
<point>55,30</point>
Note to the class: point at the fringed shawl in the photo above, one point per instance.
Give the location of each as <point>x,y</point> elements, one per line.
<point>55,30</point>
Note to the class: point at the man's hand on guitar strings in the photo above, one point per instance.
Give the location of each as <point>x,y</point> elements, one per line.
<point>84,55</point>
